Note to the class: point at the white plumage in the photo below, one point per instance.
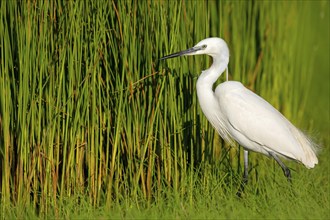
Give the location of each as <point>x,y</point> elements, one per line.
<point>259,127</point>
<point>239,114</point>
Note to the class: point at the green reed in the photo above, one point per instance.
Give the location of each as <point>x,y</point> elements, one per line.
<point>88,111</point>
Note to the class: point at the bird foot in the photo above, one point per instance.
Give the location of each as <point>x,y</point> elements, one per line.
<point>242,186</point>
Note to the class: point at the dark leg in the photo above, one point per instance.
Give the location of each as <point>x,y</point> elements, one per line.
<point>245,175</point>
<point>285,169</point>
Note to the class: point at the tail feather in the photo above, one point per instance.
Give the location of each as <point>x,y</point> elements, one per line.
<point>309,148</point>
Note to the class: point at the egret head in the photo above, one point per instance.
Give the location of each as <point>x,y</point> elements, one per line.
<point>214,46</point>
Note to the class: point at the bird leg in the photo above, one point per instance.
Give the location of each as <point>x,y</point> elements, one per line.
<point>285,169</point>
<point>246,171</point>
<point>245,175</point>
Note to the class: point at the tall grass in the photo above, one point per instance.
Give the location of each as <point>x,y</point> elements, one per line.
<point>88,112</point>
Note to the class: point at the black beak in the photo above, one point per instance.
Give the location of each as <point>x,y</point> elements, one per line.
<point>181,53</point>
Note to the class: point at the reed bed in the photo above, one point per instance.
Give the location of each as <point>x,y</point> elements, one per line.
<point>89,115</point>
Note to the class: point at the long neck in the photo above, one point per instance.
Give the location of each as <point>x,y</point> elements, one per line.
<point>206,96</point>
<point>205,81</point>
<point>210,75</point>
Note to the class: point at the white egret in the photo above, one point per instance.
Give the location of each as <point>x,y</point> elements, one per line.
<point>239,114</point>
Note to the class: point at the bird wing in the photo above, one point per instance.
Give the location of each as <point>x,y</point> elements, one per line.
<point>256,120</point>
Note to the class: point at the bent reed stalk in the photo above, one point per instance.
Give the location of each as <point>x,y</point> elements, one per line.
<point>87,110</point>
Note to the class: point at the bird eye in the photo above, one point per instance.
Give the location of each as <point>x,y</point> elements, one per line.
<point>204,46</point>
